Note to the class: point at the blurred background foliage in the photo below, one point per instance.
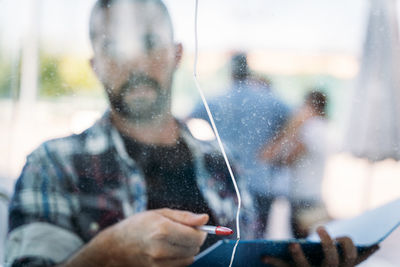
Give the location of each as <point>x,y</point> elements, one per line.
<point>66,75</point>
<point>5,78</point>
<point>59,76</point>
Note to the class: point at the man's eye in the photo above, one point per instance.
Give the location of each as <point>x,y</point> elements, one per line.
<point>150,42</point>
<point>107,45</point>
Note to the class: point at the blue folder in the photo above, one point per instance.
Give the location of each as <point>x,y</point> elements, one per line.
<point>366,230</point>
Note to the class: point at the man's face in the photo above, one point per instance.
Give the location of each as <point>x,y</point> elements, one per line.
<point>135,58</point>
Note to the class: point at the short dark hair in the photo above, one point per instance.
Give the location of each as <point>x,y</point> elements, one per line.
<point>239,66</point>
<point>318,101</point>
<point>104,5</point>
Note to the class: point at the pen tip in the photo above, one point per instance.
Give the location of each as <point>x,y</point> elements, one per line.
<point>223,231</point>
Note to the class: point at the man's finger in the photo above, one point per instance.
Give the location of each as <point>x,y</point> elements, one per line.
<point>174,262</point>
<point>331,256</point>
<point>185,235</point>
<point>275,262</point>
<point>182,235</point>
<point>298,256</point>
<point>165,250</point>
<point>364,255</point>
<point>184,217</point>
<point>349,251</point>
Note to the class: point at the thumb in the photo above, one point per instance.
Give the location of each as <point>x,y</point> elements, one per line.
<point>184,217</point>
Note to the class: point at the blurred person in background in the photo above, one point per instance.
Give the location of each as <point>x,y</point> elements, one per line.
<point>302,147</point>
<point>248,116</point>
<point>131,189</point>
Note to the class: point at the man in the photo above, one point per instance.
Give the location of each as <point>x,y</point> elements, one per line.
<point>100,198</point>
<point>248,116</point>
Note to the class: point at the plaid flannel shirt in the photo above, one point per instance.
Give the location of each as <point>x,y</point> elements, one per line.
<point>72,188</point>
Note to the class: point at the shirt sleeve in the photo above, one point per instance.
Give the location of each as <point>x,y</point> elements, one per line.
<point>41,231</point>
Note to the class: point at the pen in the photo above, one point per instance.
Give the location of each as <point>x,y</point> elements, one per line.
<point>216,230</point>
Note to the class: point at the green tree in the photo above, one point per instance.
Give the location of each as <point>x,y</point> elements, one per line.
<point>51,83</point>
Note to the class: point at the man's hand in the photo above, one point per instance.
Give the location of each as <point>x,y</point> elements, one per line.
<point>161,237</point>
<point>331,255</point>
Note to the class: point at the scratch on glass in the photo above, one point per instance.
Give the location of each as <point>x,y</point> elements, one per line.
<point>210,116</point>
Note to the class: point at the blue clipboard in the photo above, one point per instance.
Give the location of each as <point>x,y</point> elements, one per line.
<point>250,252</point>
<point>366,230</point>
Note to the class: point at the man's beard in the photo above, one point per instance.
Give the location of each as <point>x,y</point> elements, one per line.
<point>139,110</point>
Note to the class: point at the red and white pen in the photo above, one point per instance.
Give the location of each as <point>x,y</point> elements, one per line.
<point>216,230</point>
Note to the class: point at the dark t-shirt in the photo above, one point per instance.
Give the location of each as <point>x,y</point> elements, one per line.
<point>170,178</point>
